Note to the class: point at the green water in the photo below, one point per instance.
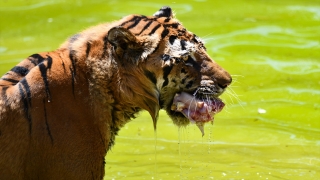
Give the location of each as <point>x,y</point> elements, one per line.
<point>270,128</point>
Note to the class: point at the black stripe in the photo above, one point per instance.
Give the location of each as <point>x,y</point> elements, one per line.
<point>72,80</point>
<point>43,71</point>
<point>22,71</point>
<point>165,57</point>
<point>88,49</point>
<point>10,80</point>
<point>151,76</point>
<point>155,49</point>
<point>166,72</point>
<point>73,69</point>
<point>132,19</point>
<point>174,25</point>
<point>73,59</point>
<point>189,85</point>
<point>182,31</point>
<point>136,21</point>
<point>49,60</point>
<point>46,121</point>
<point>172,39</point>
<point>154,29</point>
<point>183,44</point>
<point>167,19</point>
<point>164,33</point>
<point>27,88</point>
<point>26,107</point>
<point>62,63</point>
<point>145,27</point>
<point>195,65</point>
<point>72,56</point>
<point>183,80</point>
<point>194,39</point>
<point>105,47</point>
<point>36,59</point>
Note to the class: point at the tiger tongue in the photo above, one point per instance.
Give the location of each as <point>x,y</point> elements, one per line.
<point>197,111</point>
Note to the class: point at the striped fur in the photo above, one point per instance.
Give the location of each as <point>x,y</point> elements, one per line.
<point>60,111</point>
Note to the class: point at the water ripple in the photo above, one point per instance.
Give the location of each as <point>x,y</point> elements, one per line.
<point>3,49</point>
<point>292,90</point>
<point>267,31</point>
<point>289,67</point>
<point>311,9</point>
<point>274,34</point>
<point>28,7</point>
<point>273,101</point>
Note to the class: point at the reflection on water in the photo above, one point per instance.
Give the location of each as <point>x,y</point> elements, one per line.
<point>270,127</point>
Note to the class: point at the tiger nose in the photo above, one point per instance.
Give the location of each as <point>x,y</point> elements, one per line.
<point>224,80</point>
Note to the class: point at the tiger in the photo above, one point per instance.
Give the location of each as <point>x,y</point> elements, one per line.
<point>60,111</point>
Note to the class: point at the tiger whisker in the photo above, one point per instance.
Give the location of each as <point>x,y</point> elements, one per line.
<point>232,95</point>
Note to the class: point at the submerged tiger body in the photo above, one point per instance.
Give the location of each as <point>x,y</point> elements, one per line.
<point>60,111</point>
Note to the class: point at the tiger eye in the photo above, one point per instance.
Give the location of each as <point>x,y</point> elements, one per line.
<point>185,58</point>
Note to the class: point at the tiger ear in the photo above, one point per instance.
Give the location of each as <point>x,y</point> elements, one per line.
<point>165,11</point>
<point>121,37</point>
<point>127,46</point>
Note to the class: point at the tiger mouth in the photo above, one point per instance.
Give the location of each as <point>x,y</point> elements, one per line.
<point>198,110</point>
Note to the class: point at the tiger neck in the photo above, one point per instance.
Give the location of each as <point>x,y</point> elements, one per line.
<point>120,92</point>
<point>108,95</point>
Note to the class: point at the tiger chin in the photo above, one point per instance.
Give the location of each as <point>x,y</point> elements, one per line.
<point>60,111</point>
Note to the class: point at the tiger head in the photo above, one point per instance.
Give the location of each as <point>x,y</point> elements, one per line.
<point>177,73</point>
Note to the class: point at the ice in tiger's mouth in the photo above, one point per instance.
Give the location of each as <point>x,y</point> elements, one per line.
<point>196,110</point>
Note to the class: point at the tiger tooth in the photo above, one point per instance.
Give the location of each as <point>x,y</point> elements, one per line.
<point>180,106</point>
<point>173,107</point>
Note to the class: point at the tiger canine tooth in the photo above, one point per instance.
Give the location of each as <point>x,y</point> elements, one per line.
<point>180,106</point>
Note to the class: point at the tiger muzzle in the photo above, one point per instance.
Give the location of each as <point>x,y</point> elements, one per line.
<point>209,88</point>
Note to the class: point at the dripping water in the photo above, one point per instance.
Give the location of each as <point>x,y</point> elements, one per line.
<point>189,151</point>
<point>179,146</point>
<point>209,151</point>
<point>155,156</point>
